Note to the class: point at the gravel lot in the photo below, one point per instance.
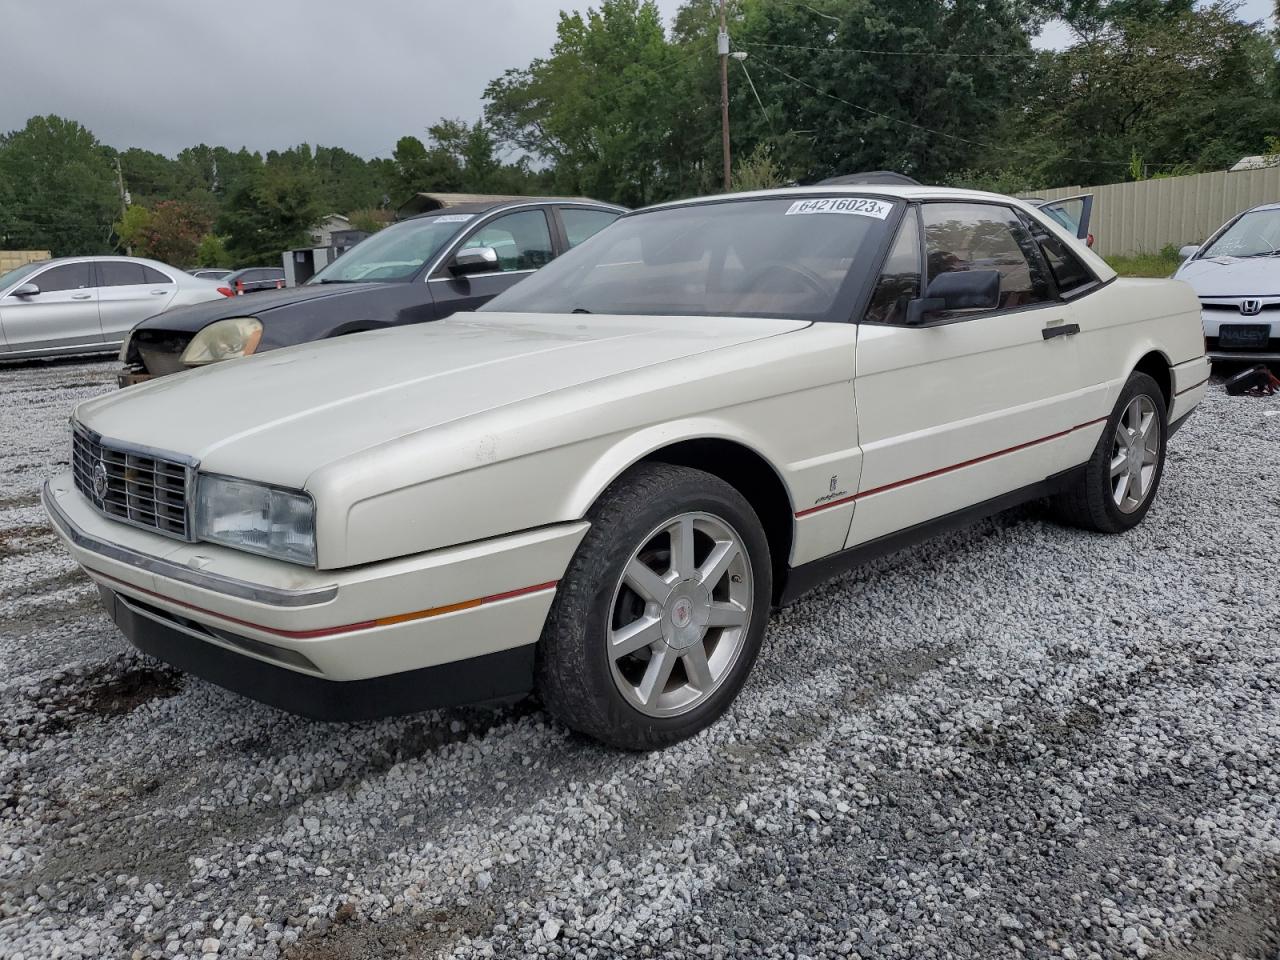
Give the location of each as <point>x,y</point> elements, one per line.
<point>1016,740</point>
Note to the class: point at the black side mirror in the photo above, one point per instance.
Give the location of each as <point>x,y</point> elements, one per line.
<point>959,290</point>
<point>26,290</point>
<point>474,260</point>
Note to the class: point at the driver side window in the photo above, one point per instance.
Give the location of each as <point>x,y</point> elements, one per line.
<point>521,240</point>
<point>983,236</point>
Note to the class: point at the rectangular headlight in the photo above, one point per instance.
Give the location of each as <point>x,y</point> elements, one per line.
<point>256,518</point>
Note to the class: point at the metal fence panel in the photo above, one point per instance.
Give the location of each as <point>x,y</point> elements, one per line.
<point>1145,216</point>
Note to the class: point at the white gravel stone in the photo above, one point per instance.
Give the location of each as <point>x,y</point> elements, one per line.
<point>1017,740</point>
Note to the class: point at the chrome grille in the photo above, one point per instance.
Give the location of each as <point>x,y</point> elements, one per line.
<point>132,484</point>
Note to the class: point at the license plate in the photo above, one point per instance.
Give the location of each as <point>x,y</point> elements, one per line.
<point>1244,334</point>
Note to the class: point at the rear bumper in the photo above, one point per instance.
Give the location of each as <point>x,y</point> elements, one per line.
<point>492,678</point>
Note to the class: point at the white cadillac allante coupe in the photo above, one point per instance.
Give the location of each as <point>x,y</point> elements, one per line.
<point>598,487</point>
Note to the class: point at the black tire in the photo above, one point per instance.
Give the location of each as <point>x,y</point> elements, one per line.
<point>573,672</point>
<point>1089,504</point>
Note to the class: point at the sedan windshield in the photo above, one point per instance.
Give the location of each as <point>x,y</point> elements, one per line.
<point>396,253</point>
<point>785,257</point>
<point>13,276</point>
<point>1255,234</point>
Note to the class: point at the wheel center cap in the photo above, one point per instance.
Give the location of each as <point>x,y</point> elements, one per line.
<point>682,612</point>
<point>686,611</point>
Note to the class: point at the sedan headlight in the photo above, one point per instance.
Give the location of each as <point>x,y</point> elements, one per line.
<point>224,340</point>
<point>257,518</point>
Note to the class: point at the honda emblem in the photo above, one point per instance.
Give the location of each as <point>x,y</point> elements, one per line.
<point>1250,308</point>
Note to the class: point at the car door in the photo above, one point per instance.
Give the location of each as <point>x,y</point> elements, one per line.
<point>522,241</point>
<point>970,404</point>
<point>128,293</point>
<point>1074,213</point>
<point>63,315</point>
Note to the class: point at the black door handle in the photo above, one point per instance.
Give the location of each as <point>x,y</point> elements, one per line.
<point>1064,330</point>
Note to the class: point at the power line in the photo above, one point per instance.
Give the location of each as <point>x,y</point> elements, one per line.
<point>936,52</point>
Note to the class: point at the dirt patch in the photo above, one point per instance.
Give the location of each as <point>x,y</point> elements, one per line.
<point>95,697</point>
<point>20,501</point>
<point>20,540</point>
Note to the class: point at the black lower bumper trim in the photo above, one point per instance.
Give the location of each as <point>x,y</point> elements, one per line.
<point>492,678</point>
<point>805,577</point>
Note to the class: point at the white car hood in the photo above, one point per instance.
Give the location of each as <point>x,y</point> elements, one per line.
<point>279,416</point>
<point>1232,276</point>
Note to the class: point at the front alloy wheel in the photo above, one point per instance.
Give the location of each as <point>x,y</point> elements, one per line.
<point>680,614</point>
<point>658,620</point>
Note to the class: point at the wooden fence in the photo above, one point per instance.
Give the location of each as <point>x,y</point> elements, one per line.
<point>12,259</point>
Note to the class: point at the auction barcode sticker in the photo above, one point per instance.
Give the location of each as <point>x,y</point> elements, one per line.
<point>455,218</point>
<point>858,206</point>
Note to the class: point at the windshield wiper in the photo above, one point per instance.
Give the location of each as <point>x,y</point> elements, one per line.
<point>327,280</point>
<point>579,310</point>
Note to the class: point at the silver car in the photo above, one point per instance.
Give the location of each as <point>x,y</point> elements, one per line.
<point>88,304</point>
<point>1236,275</point>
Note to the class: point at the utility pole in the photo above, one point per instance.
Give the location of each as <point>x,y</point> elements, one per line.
<point>722,44</point>
<point>124,202</point>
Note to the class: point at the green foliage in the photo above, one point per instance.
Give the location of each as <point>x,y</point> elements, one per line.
<point>1136,96</point>
<point>1160,264</point>
<point>173,232</point>
<point>270,212</point>
<point>57,189</point>
<point>212,252</point>
<point>129,229</point>
<point>599,109</point>
<point>758,171</point>
<point>370,219</point>
<point>620,108</point>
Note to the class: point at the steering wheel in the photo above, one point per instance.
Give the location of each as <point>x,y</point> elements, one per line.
<point>806,276</point>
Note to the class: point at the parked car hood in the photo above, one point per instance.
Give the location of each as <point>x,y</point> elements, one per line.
<point>277,417</point>
<point>1232,276</point>
<point>194,318</point>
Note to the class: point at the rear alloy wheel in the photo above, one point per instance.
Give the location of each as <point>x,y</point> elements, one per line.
<point>1118,484</point>
<point>659,618</point>
<point>1135,454</point>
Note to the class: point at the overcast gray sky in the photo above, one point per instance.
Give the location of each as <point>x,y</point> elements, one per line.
<point>166,74</point>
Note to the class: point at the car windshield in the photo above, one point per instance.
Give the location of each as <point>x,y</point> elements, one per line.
<point>787,257</point>
<point>1256,234</point>
<point>396,253</point>
<point>13,276</point>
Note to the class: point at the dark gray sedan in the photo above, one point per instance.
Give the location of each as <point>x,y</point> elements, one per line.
<point>424,268</point>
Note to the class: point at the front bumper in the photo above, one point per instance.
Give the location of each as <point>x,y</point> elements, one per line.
<point>492,678</point>
<point>1215,321</point>
<point>285,624</point>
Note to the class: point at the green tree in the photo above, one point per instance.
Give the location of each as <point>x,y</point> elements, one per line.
<point>270,212</point>
<point>1188,90</point>
<point>212,252</point>
<point>599,108</point>
<point>58,187</point>
<point>173,232</point>
<point>132,226</point>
